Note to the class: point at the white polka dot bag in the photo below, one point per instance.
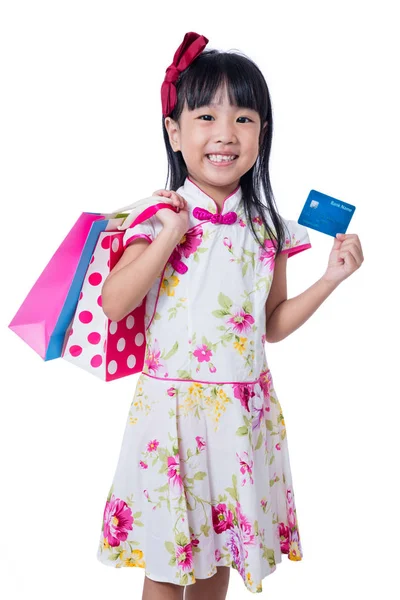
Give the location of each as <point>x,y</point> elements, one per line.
<point>109,349</point>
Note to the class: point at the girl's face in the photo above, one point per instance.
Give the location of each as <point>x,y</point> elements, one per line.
<point>214,130</point>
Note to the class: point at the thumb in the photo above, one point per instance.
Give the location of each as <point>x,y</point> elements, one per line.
<point>337,242</point>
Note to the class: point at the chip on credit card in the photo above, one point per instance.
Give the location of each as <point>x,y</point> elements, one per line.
<point>326,214</point>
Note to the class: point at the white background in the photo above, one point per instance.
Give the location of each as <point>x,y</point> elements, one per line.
<point>81,130</point>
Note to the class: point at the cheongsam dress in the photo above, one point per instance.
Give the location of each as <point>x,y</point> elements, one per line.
<point>203,477</point>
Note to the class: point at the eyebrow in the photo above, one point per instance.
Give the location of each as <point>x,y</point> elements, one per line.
<point>214,105</point>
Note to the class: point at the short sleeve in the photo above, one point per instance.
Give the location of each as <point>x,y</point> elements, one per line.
<point>296,239</point>
<point>142,230</point>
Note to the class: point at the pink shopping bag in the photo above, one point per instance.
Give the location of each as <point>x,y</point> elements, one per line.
<point>45,315</point>
<point>108,349</point>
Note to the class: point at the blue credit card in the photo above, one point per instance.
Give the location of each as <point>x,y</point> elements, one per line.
<point>326,214</point>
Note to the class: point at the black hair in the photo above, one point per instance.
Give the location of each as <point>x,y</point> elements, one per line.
<point>247,88</point>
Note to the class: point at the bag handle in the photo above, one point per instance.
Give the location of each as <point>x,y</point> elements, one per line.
<point>138,204</point>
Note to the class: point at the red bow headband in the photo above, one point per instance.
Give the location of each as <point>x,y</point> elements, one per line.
<point>193,44</point>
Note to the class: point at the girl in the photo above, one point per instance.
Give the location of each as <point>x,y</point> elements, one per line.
<point>203,480</point>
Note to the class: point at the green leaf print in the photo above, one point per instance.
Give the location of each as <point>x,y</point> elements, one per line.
<point>220,314</point>
<point>259,441</point>
<point>233,491</point>
<point>181,539</point>
<point>139,524</point>
<point>243,430</point>
<point>247,306</point>
<point>202,250</point>
<point>244,269</point>
<point>200,475</point>
<point>269,555</point>
<point>184,374</point>
<point>172,351</point>
<point>162,489</point>
<point>269,425</point>
<point>196,257</point>
<point>170,547</point>
<point>110,493</point>
<point>224,301</point>
<point>205,529</point>
<point>172,561</point>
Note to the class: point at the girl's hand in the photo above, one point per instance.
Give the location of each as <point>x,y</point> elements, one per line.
<point>345,258</point>
<point>178,220</point>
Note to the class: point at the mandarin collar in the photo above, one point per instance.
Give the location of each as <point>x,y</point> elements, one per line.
<point>197,198</point>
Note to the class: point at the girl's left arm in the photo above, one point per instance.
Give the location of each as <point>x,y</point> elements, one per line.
<point>284,316</point>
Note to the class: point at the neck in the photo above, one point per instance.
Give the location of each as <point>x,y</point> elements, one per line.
<point>217,193</point>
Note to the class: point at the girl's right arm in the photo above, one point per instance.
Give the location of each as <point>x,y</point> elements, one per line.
<point>136,271</point>
<point>142,262</point>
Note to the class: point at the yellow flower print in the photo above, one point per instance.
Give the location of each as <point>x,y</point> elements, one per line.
<point>168,284</point>
<point>106,545</point>
<point>135,560</point>
<point>294,552</point>
<point>196,389</point>
<point>241,345</point>
<point>249,579</point>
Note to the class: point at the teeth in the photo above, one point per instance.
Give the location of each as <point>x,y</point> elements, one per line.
<point>221,158</point>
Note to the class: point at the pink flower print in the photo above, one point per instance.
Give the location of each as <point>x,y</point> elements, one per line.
<point>227,242</point>
<point>171,391</point>
<point>278,446</point>
<point>222,518</point>
<point>265,381</point>
<point>236,548</point>
<point>143,465</point>
<point>289,497</point>
<point>211,368</point>
<point>284,538</point>
<point>174,477</point>
<point>153,361</point>
<point>291,517</point>
<point>146,493</point>
<point>263,338</point>
<point>118,521</point>
<point>267,254</point>
<point>244,392</point>
<point>184,557</point>
<point>200,442</point>
<point>241,321</point>
<point>152,445</point>
<point>246,529</point>
<point>190,242</point>
<point>217,555</point>
<point>257,220</point>
<point>194,540</point>
<point>246,466</point>
<point>242,223</point>
<point>202,353</point>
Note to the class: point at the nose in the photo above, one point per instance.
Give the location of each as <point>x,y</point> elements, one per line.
<point>225,132</point>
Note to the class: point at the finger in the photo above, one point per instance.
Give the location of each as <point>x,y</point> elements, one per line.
<point>353,247</point>
<point>349,259</point>
<point>166,193</point>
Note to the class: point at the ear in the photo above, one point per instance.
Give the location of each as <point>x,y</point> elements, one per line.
<point>263,132</point>
<point>172,128</point>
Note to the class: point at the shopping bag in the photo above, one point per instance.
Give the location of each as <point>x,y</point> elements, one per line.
<point>108,349</point>
<point>45,314</point>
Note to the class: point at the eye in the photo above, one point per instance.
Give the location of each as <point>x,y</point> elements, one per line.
<point>201,117</point>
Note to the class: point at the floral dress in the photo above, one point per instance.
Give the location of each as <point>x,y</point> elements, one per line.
<point>203,477</point>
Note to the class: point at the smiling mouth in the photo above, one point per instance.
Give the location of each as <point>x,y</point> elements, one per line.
<point>221,159</point>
